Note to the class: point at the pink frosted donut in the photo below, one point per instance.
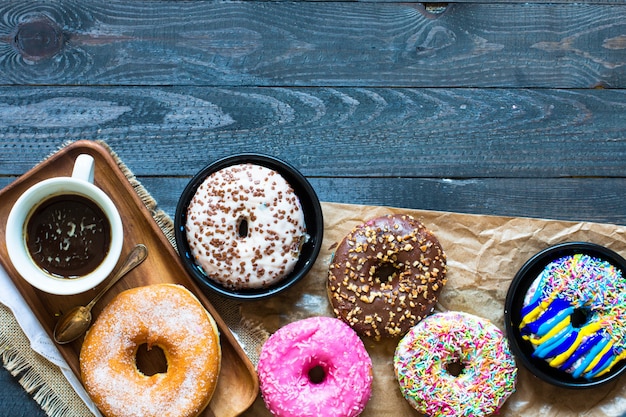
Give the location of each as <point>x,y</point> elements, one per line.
<point>315,367</point>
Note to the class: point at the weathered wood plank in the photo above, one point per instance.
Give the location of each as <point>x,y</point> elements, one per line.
<point>543,153</point>
<point>312,44</point>
<point>577,199</point>
<point>437,6</point>
<point>325,132</point>
<point>14,399</point>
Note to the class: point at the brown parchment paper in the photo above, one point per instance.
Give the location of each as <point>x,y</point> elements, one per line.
<point>484,253</point>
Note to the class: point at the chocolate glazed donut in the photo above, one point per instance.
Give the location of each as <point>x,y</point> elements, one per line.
<point>386,276</point>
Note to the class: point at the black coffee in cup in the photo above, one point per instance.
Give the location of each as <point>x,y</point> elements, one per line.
<point>68,235</point>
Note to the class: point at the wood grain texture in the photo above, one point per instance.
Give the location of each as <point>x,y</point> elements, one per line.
<point>325,132</point>
<point>437,6</point>
<point>14,401</point>
<point>474,107</point>
<point>312,44</point>
<point>576,199</point>
<point>237,385</point>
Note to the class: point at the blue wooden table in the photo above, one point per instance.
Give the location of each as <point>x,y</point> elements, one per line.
<point>508,108</point>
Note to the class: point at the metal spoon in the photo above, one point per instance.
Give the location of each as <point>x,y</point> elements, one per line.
<point>76,321</point>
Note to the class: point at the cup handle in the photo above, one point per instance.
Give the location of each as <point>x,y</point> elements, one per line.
<point>84,168</point>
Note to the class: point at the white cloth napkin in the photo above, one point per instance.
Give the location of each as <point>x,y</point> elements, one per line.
<point>40,342</point>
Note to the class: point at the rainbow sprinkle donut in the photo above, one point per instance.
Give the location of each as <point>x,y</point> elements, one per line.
<point>455,364</point>
<point>574,314</point>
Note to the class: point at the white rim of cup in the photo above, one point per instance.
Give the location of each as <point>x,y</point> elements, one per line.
<point>15,236</point>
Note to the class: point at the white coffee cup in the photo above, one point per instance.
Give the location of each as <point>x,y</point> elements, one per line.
<point>79,184</point>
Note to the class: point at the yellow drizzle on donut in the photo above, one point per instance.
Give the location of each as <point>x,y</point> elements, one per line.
<point>590,289</point>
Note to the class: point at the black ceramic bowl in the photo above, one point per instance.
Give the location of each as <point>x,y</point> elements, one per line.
<point>515,299</point>
<point>312,217</point>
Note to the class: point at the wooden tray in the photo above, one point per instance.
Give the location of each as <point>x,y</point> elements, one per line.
<point>237,385</point>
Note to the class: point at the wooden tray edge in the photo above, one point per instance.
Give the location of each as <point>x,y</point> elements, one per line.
<point>107,154</point>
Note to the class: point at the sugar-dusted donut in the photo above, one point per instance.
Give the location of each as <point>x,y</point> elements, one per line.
<point>386,275</point>
<point>455,364</point>
<point>574,314</point>
<point>245,226</point>
<point>167,316</point>
<point>315,367</point>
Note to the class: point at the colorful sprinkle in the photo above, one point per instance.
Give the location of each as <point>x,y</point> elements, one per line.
<point>487,371</point>
<point>595,290</point>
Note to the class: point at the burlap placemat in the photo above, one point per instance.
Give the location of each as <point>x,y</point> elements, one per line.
<point>39,377</point>
<point>45,382</point>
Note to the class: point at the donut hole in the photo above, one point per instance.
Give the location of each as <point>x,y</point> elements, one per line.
<point>242,227</point>
<point>150,360</point>
<point>455,367</point>
<point>579,317</point>
<point>386,272</point>
<point>317,374</point>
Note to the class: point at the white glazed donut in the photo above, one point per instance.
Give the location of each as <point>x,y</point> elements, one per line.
<point>245,227</point>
